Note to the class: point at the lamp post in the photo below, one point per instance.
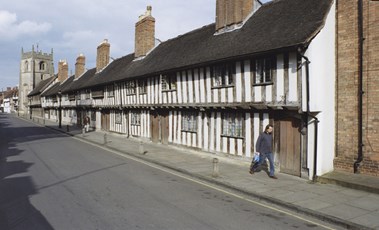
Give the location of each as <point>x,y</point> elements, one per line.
<point>60,108</point>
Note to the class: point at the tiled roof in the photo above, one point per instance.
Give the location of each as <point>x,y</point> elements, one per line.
<point>276,25</point>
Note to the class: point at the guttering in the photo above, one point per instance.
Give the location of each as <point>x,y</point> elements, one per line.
<point>308,114</point>
<point>360,87</point>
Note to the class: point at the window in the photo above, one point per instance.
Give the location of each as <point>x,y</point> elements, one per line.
<point>232,125</point>
<point>168,82</point>
<point>135,118</point>
<point>88,94</point>
<point>110,90</point>
<point>93,116</point>
<point>189,122</point>
<point>223,75</point>
<point>26,66</point>
<point>118,117</point>
<point>97,93</point>
<point>42,65</point>
<point>71,96</point>
<point>131,87</point>
<point>264,69</point>
<point>142,85</point>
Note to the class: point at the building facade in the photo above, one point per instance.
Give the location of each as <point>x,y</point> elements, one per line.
<point>357,99</point>
<point>202,91</point>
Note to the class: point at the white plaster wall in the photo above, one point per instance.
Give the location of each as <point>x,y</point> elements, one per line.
<point>322,55</point>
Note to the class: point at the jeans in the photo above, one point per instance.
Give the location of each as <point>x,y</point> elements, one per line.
<point>262,158</point>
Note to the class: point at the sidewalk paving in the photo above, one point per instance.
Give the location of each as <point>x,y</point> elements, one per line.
<point>351,201</point>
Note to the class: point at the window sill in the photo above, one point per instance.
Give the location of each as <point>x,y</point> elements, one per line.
<point>222,86</point>
<point>168,90</point>
<point>222,135</point>
<point>187,131</point>
<point>263,84</point>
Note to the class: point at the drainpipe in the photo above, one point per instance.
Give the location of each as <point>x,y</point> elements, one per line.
<point>308,114</point>
<point>360,87</point>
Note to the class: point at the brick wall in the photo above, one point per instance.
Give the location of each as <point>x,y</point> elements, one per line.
<point>229,12</point>
<point>347,86</point>
<point>144,34</point>
<point>102,58</point>
<point>80,65</point>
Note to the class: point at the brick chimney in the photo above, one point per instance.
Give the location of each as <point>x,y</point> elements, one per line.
<point>231,13</point>
<point>144,34</point>
<point>80,65</point>
<point>102,58</point>
<point>62,70</point>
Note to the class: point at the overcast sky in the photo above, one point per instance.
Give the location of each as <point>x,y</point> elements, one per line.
<point>71,27</point>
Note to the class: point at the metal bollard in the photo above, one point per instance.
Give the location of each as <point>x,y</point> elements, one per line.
<point>105,139</point>
<point>215,167</point>
<point>83,131</point>
<point>67,128</point>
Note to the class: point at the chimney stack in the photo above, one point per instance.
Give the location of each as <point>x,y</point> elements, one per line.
<point>102,58</point>
<point>80,65</point>
<point>231,13</point>
<point>144,34</point>
<point>62,70</point>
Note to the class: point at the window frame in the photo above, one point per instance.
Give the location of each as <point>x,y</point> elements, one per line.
<point>263,67</point>
<point>168,82</point>
<point>142,86</point>
<point>191,125</point>
<point>135,118</point>
<point>223,75</point>
<point>110,91</point>
<point>232,125</point>
<point>130,87</point>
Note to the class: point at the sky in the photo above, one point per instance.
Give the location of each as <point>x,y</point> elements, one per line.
<point>72,27</point>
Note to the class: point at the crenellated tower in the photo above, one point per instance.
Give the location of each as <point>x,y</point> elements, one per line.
<point>35,66</point>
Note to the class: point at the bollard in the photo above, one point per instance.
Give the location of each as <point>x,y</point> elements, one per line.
<point>105,138</point>
<point>44,121</point>
<point>215,168</point>
<point>68,128</point>
<point>140,147</point>
<point>83,131</point>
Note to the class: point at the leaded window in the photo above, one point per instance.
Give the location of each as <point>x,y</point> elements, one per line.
<point>232,125</point>
<point>264,70</point>
<point>131,87</point>
<point>168,82</point>
<point>142,86</point>
<point>223,75</point>
<point>189,122</point>
<point>135,118</point>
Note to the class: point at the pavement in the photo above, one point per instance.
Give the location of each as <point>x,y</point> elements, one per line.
<point>345,199</point>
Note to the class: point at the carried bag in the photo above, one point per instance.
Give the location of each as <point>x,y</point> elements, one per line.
<point>256,157</point>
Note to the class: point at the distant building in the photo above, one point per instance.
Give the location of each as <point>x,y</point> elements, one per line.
<point>9,100</point>
<point>35,67</point>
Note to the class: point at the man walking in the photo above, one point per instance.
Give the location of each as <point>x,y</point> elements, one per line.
<point>264,147</point>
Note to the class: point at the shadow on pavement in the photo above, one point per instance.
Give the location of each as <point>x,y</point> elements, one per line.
<point>16,210</point>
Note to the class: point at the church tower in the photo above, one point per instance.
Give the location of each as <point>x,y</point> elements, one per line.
<point>35,66</point>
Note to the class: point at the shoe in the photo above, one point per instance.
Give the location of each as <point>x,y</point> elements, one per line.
<point>251,172</point>
<point>273,177</point>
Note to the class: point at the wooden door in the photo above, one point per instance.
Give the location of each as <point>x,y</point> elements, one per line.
<point>289,147</point>
<point>105,120</point>
<point>164,127</point>
<point>154,127</point>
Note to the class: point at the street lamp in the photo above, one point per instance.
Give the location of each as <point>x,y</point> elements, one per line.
<point>60,108</point>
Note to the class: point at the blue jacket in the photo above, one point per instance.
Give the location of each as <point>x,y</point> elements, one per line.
<point>264,143</point>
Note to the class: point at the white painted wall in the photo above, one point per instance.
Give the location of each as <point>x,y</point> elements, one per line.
<point>322,55</point>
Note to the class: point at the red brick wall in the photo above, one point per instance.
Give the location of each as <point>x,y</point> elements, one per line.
<point>347,86</point>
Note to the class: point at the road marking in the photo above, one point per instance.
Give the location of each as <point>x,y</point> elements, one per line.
<point>170,171</point>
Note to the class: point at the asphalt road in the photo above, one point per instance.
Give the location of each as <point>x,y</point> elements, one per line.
<point>51,181</point>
